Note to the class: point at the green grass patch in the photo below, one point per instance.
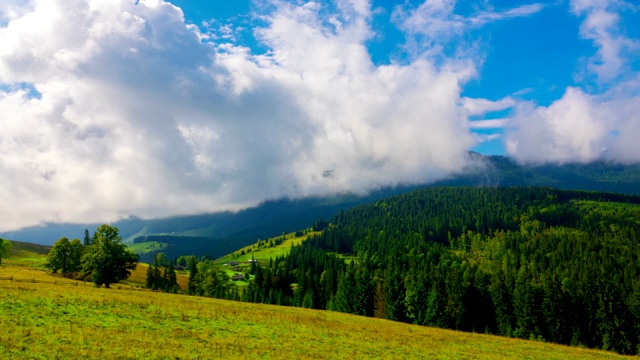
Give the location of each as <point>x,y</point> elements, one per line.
<point>67,322</point>
<point>146,247</point>
<point>53,317</point>
<point>27,254</point>
<point>263,250</point>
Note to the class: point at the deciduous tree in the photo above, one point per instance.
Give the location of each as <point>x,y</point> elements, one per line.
<point>5,247</point>
<point>65,256</point>
<point>108,260</point>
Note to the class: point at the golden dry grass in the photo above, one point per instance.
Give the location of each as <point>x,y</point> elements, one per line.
<point>139,277</point>
<point>42,320</point>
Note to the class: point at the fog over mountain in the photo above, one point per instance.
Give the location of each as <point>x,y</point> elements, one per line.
<point>119,109</point>
<point>219,233</point>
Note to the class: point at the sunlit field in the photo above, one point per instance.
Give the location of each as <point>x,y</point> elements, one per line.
<point>60,320</point>
<point>261,250</point>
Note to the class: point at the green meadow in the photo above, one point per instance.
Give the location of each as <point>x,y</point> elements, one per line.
<point>264,250</point>
<point>58,319</point>
<point>261,251</point>
<point>146,247</point>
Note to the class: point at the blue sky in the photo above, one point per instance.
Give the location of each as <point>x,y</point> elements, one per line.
<point>220,105</point>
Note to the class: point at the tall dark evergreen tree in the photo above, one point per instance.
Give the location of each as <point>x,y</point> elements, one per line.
<point>170,279</point>
<point>87,240</point>
<point>193,272</point>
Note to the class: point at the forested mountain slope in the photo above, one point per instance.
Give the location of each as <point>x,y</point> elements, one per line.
<point>541,263</point>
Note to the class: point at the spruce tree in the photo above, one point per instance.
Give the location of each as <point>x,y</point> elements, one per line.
<point>150,283</point>
<point>87,239</point>
<point>193,271</point>
<point>170,278</point>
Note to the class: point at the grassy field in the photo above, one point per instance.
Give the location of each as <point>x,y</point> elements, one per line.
<point>261,250</point>
<point>27,262</point>
<point>146,247</point>
<point>27,254</point>
<point>66,322</point>
<point>58,318</point>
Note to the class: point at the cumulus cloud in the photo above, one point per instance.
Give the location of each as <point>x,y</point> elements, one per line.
<point>570,129</point>
<point>117,108</point>
<point>583,125</point>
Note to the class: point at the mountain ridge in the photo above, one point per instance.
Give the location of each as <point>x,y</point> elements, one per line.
<point>227,231</point>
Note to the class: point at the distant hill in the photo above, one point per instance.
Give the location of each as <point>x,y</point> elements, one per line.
<point>217,234</point>
<point>596,176</point>
<point>19,247</point>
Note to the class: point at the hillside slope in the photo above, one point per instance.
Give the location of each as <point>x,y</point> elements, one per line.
<point>59,321</point>
<point>525,262</point>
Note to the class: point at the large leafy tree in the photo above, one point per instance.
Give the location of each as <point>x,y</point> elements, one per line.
<point>108,260</point>
<point>65,256</point>
<point>5,247</point>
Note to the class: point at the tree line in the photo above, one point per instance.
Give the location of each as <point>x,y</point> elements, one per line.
<point>101,258</point>
<point>161,275</point>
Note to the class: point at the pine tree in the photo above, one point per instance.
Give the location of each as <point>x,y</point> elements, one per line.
<point>502,303</point>
<point>171,280</point>
<point>193,272</point>
<point>150,283</point>
<point>416,300</point>
<point>435,315</point>
<point>252,270</point>
<point>87,239</point>
<point>556,321</point>
<point>524,306</point>
<point>395,294</point>
<point>363,293</point>
<point>343,300</point>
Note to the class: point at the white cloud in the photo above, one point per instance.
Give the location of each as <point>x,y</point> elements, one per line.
<point>138,117</point>
<point>489,124</point>
<point>487,137</point>
<point>568,130</point>
<point>478,106</point>
<point>602,25</point>
<point>580,128</point>
<point>436,19</point>
<point>583,127</point>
